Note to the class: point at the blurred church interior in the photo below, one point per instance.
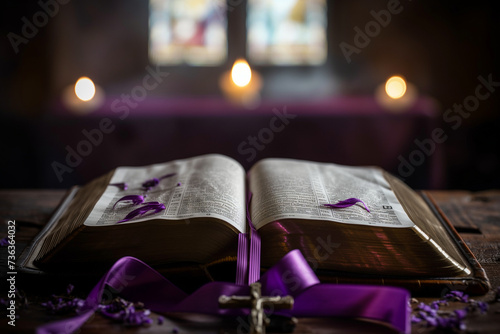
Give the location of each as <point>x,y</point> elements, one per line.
<point>251,79</point>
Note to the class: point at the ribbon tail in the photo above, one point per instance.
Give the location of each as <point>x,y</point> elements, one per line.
<point>136,281</point>
<point>242,259</point>
<point>386,304</point>
<point>254,259</point>
<point>254,256</point>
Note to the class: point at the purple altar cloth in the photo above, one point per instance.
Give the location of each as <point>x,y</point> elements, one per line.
<point>351,130</point>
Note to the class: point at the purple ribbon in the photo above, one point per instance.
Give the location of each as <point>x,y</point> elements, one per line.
<point>254,256</point>
<point>242,259</point>
<point>136,281</point>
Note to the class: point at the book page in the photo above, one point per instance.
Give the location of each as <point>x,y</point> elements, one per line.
<point>293,189</point>
<point>210,186</point>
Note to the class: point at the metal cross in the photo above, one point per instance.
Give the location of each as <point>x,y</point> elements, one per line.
<point>255,302</point>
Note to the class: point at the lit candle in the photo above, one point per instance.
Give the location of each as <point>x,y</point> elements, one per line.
<point>83,97</point>
<point>85,89</point>
<point>396,94</point>
<point>241,85</point>
<point>395,87</point>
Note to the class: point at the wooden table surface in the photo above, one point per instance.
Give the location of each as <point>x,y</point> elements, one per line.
<point>476,216</point>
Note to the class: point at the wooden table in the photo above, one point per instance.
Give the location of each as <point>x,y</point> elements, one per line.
<point>476,216</point>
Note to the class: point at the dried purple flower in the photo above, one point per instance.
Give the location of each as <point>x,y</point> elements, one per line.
<point>432,321</point>
<point>430,316</point>
<point>474,305</point>
<point>126,312</point>
<point>458,296</point>
<point>121,185</point>
<point>4,242</point>
<point>426,309</point>
<point>135,199</point>
<point>435,304</point>
<point>347,203</point>
<point>120,310</point>
<point>450,322</point>
<point>63,305</point>
<point>482,306</point>
<point>161,320</point>
<point>415,319</point>
<point>461,314</point>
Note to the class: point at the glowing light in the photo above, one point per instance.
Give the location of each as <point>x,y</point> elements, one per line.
<point>241,73</point>
<point>395,87</point>
<point>85,89</point>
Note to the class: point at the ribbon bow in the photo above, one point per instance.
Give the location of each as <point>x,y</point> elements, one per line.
<point>292,275</point>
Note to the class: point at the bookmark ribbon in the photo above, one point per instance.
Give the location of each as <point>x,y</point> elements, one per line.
<point>254,255</point>
<point>136,281</point>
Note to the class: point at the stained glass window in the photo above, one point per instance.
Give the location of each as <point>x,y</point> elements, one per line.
<point>286,32</point>
<point>192,32</point>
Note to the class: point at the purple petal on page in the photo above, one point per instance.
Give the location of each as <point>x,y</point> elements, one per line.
<point>135,199</point>
<point>152,203</point>
<point>144,211</point>
<point>347,203</point>
<point>150,183</point>
<point>167,176</point>
<point>121,185</point>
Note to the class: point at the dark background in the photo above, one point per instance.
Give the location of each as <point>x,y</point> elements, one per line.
<point>440,46</point>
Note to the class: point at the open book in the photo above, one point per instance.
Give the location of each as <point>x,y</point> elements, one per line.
<point>202,209</point>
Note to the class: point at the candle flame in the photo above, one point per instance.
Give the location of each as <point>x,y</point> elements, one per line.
<point>395,87</point>
<point>84,89</point>
<point>241,73</point>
